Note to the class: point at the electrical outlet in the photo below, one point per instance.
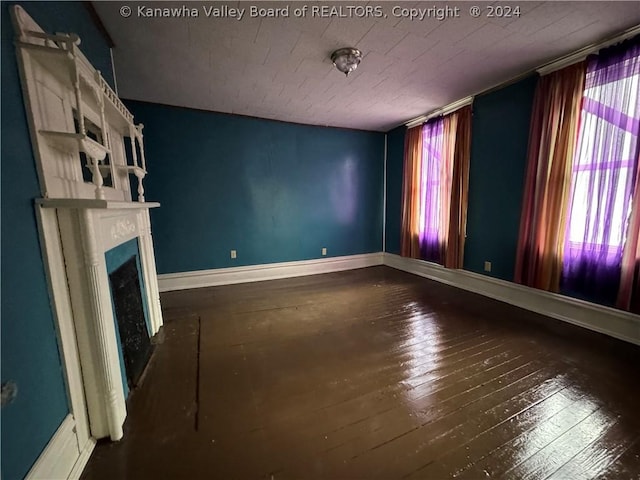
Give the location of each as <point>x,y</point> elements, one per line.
<point>487,266</point>
<point>234,254</point>
<point>324,251</point>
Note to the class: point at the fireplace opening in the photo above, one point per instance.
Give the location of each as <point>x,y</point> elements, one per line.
<point>132,326</point>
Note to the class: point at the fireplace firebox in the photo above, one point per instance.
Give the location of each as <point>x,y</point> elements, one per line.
<point>132,325</point>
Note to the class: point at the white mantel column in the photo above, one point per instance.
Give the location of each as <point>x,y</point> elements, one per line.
<point>148,261</point>
<point>104,326</point>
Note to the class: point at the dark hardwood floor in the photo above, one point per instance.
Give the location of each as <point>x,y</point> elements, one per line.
<point>375,373</point>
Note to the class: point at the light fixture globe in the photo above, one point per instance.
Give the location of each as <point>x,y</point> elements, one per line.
<point>346,59</point>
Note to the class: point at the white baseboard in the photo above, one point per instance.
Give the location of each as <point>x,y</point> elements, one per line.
<point>610,321</point>
<point>257,273</point>
<point>61,458</point>
<point>84,457</point>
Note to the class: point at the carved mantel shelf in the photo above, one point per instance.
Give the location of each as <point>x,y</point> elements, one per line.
<point>91,203</point>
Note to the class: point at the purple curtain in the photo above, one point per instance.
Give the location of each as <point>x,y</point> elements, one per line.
<point>432,150</point>
<point>604,167</point>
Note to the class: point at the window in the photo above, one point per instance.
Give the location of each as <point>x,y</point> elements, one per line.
<point>603,174</point>
<point>434,206</point>
<point>431,199</point>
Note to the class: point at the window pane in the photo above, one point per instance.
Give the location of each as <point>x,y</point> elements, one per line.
<point>432,143</point>
<point>602,179</point>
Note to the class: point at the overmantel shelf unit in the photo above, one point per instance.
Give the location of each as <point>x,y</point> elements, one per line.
<point>86,148</point>
<point>78,123</point>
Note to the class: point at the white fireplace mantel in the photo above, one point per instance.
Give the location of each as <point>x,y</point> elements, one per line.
<point>92,228</point>
<point>79,128</point>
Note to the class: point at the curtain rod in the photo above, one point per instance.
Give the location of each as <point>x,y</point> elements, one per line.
<point>440,111</point>
<point>544,69</point>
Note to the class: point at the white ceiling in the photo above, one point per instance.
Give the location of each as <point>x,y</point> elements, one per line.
<point>279,68</point>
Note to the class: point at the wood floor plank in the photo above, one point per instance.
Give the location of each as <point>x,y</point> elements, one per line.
<point>365,408</point>
<point>412,449</point>
<point>528,443</point>
<point>359,436</point>
<point>561,449</point>
<point>495,437</point>
<point>626,465</point>
<point>595,459</point>
<point>374,373</point>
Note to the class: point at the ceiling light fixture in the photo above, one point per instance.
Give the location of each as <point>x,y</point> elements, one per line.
<point>346,59</point>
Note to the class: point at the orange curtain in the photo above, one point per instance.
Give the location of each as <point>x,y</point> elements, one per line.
<point>629,293</point>
<point>459,188</point>
<point>411,192</point>
<point>552,139</point>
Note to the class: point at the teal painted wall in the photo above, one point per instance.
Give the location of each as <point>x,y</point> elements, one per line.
<point>499,140</point>
<point>395,171</point>
<point>273,191</point>
<point>30,354</point>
